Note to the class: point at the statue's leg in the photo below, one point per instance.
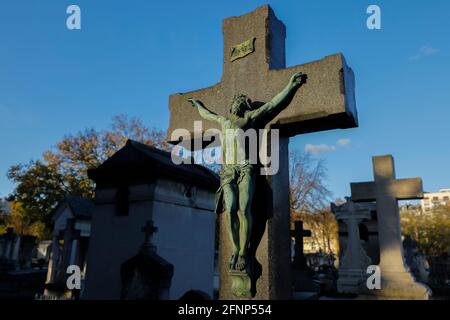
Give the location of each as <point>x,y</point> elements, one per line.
<point>231,208</point>
<point>246,191</point>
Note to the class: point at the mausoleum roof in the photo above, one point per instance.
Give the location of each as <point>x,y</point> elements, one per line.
<point>139,163</point>
<point>80,207</point>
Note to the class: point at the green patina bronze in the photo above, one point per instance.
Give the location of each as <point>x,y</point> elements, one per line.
<point>237,189</point>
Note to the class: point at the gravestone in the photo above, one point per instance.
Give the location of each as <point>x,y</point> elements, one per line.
<point>6,260</point>
<point>254,63</point>
<point>8,241</point>
<point>69,249</point>
<point>16,250</point>
<point>354,262</point>
<point>146,276</point>
<point>299,233</point>
<point>301,274</point>
<point>368,231</point>
<point>42,254</point>
<point>62,257</point>
<point>69,245</point>
<point>386,190</point>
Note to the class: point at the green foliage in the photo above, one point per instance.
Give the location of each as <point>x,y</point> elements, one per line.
<point>431,230</point>
<point>39,187</point>
<point>40,184</point>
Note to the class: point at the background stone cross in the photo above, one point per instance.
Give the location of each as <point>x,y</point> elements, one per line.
<point>149,229</point>
<point>299,233</point>
<point>354,262</point>
<point>386,190</point>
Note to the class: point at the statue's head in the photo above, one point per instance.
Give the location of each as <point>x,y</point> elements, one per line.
<point>240,104</point>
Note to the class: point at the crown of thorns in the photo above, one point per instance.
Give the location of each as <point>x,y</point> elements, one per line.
<point>242,98</point>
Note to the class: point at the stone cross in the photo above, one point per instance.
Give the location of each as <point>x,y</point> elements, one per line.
<point>386,190</point>
<point>299,233</point>
<point>149,229</point>
<point>146,276</point>
<point>354,262</point>
<point>254,64</point>
<point>326,102</point>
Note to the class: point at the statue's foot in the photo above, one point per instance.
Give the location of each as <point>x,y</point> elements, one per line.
<point>241,263</point>
<point>233,260</point>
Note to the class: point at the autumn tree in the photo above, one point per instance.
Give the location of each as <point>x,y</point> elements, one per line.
<point>310,199</point>
<point>62,170</point>
<point>431,230</point>
<point>18,219</point>
<point>308,191</point>
<point>4,214</point>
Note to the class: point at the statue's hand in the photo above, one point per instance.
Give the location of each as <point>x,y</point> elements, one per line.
<point>298,79</point>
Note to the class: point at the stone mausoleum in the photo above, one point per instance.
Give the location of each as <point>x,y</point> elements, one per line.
<point>140,185</point>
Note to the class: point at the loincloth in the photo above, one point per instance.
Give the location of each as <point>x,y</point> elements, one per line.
<point>231,174</point>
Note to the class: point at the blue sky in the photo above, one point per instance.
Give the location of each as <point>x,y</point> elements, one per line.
<point>131,55</point>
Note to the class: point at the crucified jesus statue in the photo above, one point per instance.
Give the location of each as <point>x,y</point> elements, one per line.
<point>236,191</point>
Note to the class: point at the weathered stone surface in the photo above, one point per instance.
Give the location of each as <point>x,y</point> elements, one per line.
<point>325,102</point>
<point>396,281</point>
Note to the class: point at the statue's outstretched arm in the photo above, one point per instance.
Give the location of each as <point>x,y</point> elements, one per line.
<point>282,99</point>
<point>205,113</point>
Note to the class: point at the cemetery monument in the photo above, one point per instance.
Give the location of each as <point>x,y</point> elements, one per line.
<point>254,64</point>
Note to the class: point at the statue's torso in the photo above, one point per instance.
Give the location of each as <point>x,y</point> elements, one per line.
<point>235,134</point>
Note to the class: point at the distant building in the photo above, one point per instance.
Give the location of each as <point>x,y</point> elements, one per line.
<point>434,199</point>
<point>411,208</point>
